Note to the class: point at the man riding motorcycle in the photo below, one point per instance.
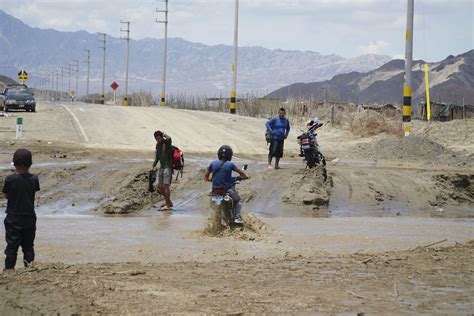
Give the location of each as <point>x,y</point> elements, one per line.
<point>221,171</point>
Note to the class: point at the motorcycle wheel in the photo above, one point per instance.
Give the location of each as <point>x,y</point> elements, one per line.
<point>310,158</point>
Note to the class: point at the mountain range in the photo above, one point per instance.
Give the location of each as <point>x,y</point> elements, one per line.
<point>451,81</point>
<point>193,68</point>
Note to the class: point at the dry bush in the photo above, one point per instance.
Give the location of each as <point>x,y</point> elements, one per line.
<point>141,98</point>
<point>371,123</point>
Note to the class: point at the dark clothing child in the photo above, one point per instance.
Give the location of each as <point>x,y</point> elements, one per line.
<point>20,222</point>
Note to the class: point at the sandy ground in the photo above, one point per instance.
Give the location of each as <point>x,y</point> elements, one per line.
<point>340,239</point>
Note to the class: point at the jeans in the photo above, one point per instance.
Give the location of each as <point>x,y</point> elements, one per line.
<point>236,198</point>
<point>20,230</point>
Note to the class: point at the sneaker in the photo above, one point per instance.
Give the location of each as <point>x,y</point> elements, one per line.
<point>238,220</point>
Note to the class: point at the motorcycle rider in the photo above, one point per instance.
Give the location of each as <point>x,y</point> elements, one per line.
<point>221,171</point>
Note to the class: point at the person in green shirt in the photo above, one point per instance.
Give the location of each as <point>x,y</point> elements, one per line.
<point>164,156</point>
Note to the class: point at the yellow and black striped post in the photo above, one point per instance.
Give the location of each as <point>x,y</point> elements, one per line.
<point>407,88</point>
<point>162,102</point>
<point>233,102</point>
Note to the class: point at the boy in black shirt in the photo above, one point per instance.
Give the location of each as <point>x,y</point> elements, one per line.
<point>20,222</point>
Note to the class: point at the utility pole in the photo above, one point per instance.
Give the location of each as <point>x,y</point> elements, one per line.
<point>69,81</point>
<point>88,62</point>
<point>407,88</point>
<point>127,38</point>
<point>52,85</point>
<point>62,82</point>
<point>102,42</point>
<point>165,53</point>
<point>57,84</point>
<point>233,94</point>
<point>46,85</point>
<point>76,93</point>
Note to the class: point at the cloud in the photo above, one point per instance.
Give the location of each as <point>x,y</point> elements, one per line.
<point>377,47</point>
<point>344,27</point>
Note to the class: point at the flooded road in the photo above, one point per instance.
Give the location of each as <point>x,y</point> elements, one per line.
<point>169,237</point>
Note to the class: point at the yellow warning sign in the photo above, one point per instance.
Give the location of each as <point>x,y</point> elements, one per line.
<point>23,76</point>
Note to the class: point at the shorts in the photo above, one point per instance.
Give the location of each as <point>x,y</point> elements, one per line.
<point>276,149</point>
<point>164,176</point>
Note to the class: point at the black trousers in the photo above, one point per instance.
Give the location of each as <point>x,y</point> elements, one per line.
<point>276,148</point>
<point>20,230</point>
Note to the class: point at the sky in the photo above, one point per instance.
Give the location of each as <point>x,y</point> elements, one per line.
<point>345,27</point>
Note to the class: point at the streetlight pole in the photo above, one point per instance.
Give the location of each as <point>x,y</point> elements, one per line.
<point>165,53</point>
<point>233,95</point>
<point>127,38</point>
<point>102,42</point>
<point>407,88</point>
<point>88,62</point>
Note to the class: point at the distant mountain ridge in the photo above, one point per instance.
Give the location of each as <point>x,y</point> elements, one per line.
<point>451,80</point>
<point>192,67</point>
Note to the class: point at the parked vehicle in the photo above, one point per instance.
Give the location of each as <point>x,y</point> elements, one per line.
<point>17,97</point>
<point>309,147</point>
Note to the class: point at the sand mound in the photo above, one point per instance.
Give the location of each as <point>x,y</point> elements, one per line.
<point>455,189</point>
<point>309,187</point>
<point>406,148</point>
<point>131,197</point>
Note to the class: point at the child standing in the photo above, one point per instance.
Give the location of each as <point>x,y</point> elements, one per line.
<point>20,222</point>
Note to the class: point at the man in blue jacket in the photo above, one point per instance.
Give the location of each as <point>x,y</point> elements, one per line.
<point>279,128</point>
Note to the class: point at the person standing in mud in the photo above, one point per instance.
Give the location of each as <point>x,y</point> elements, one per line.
<point>20,223</point>
<point>279,128</point>
<point>164,156</point>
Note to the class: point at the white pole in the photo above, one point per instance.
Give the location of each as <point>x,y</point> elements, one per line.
<point>233,95</point>
<point>165,54</point>
<point>407,88</point>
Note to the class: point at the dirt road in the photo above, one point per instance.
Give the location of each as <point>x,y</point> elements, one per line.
<point>337,238</point>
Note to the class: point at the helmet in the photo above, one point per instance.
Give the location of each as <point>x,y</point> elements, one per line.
<point>225,153</point>
<point>313,123</point>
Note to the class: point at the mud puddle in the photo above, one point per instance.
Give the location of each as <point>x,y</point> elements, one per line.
<point>42,165</point>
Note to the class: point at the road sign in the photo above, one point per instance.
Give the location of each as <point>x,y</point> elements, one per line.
<point>22,76</point>
<point>114,85</point>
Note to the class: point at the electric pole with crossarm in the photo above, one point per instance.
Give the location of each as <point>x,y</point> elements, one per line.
<point>165,52</point>
<point>127,38</point>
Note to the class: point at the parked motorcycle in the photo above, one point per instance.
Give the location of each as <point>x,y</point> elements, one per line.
<point>309,147</point>
<point>222,208</point>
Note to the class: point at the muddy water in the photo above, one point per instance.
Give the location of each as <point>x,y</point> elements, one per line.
<point>173,237</point>
<point>69,230</point>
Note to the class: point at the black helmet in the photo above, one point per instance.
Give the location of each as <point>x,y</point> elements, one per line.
<point>225,153</point>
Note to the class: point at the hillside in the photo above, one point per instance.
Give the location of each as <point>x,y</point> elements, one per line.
<point>451,80</point>
<point>192,67</point>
